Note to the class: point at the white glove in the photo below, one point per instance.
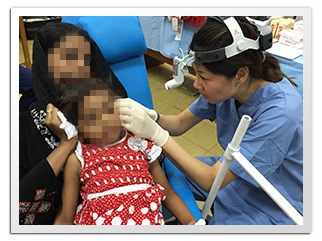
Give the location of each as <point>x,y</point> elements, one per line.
<point>152,113</point>
<point>137,121</point>
<point>200,222</point>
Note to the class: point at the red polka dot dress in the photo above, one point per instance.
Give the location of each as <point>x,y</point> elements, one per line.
<point>116,186</point>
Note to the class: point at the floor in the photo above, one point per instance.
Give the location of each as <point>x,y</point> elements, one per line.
<point>201,140</point>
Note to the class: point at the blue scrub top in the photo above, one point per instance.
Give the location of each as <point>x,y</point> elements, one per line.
<point>273,144</point>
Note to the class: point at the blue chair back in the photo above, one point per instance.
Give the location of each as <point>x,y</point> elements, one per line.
<point>122,43</point>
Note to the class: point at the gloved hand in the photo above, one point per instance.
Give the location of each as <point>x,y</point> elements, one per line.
<point>200,222</point>
<point>137,121</point>
<point>151,113</point>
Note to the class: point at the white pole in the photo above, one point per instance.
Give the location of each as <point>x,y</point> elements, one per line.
<point>215,187</point>
<point>231,148</point>
<point>240,131</point>
<point>289,210</point>
<point>232,153</point>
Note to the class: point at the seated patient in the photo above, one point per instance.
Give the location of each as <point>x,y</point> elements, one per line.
<point>117,174</point>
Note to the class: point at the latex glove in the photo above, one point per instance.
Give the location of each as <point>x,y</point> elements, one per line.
<point>151,113</point>
<point>137,121</point>
<point>200,222</point>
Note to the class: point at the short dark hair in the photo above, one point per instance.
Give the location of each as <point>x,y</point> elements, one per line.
<point>74,94</point>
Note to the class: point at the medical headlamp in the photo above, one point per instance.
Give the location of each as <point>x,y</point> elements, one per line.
<point>240,42</point>
<point>239,45</point>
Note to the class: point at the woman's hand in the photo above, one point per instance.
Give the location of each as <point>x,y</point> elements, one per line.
<point>58,157</point>
<point>53,122</point>
<point>137,121</point>
<point>151,113</point>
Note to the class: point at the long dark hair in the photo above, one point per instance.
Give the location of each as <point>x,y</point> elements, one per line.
<point>214,35</point>
<point>43,85</point>
<point>51,33</point>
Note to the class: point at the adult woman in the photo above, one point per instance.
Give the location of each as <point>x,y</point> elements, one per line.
<point>248,83</point>
<point>62,54</point>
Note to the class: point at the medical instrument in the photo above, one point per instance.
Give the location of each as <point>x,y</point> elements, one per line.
<point>232,153</point>
<point>180,68</point>
<point>239,45</point>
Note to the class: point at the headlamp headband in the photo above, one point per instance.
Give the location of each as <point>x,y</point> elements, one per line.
<point>239,45</point>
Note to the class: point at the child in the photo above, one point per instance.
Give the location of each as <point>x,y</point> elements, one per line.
<point>118,175</point>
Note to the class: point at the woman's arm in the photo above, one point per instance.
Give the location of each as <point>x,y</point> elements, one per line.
<point>139,123</point>
<point>172,202</point>
<point>176,125</point>
<point>200,173</point>
<point>58,157</point>
<point>70,193</point>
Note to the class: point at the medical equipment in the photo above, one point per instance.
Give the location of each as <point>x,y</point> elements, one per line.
<point>239,45</point>
<point>180,67</point>
<point>232,153</point>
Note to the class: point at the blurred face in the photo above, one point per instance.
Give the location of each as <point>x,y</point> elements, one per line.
<point>214,88</point>
<point>69,60</point>
<point>98,122</point>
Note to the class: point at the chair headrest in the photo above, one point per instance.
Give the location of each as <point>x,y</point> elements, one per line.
<point>119,37</point>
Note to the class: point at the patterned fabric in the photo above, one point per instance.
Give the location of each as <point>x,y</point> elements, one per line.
<point>134,208</point>
<point>108,168</point>
<point>30,209</point>
<point>39,117</point>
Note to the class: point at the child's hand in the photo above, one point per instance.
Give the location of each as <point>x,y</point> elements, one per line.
<point>192,222</point>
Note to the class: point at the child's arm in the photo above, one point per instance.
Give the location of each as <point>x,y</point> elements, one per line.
<point>172,202</point>
<point>70,193</point>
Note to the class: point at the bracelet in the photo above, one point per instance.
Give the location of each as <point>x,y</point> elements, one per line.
<point>158,116</point>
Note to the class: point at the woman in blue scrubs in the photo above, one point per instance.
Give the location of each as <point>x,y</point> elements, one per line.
<point>249,83</point>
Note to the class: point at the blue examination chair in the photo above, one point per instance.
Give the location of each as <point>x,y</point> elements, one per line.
<point>122,43</point>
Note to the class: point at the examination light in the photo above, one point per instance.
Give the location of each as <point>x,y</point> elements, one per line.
<point>239,45</point>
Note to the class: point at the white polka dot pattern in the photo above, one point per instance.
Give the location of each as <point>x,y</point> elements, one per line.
<point>113,167</point>
<point>135,208</point>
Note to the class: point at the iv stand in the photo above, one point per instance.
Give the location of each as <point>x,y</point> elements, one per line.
<point>232,153</point>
